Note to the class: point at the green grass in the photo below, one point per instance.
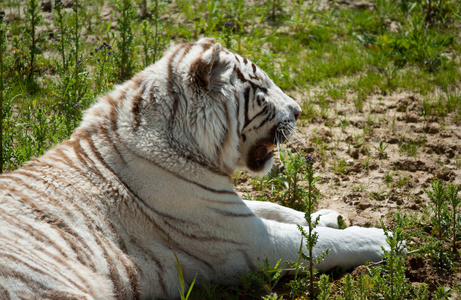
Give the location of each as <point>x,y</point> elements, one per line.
<point>51,76</point>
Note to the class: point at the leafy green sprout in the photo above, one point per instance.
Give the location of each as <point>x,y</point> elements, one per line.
<point>388,177</point>
<point>2,44</point>
<point>311,197</point>
<point>183,294</point>
<point>394,258</point>
<point>289,180</point>
<point>324,288</point>
<point>451,194</point>
<point>439,206</point>
<point>32,13</point>
<point>347,289</point>
<point>381,150</point>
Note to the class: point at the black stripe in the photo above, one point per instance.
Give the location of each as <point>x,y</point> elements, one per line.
<point>246,96</point>
<point>32,284</point>
<point>32,232</point>
<point>160,271</point>
<point>254,85</point>
<point>136,106</point>
<point>262,112</point>
<point>231,214</point>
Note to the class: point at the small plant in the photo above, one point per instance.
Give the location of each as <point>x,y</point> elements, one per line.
<point>311,196</point>
<point>2,46</point>
<point>288,181</point>
<point>347,288</point>
<point>395,264</point>
<point>76,27</point>
<point>124,42</point>
<point>146,38</point>
<point>227,34</point>
<point>445,204</point>
<point>103,57</point>
<point>442,293</point>
<point>184,296</point>
<point>272,296</point>
<point>340,166</point>
<point>451,194</point>
<point>267,277</point>
<point>367,162</point>
<point>33,18</point>
<point>423,292</point>
<point>363,283</point>
<point>439,206</point>
<point>324,288</point>
<point>63,33</point>
<point>381,148</point>
<point>312,237</point>
<point>402,181</point>
<point>411,147</point>
<point>388,177</point>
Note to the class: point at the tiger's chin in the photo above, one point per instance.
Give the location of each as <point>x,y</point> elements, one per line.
<point>260,158</point>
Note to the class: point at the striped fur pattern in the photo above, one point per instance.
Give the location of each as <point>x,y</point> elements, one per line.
<point>148,173</point>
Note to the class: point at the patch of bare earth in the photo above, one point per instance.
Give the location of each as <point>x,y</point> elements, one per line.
<point>366,186</point>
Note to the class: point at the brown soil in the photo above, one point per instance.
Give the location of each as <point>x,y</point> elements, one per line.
<point>359,190</point>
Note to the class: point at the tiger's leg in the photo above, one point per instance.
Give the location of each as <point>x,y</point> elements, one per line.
<point>276,212</point>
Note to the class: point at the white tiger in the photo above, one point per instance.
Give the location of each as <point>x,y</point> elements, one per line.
<point>147,173</point>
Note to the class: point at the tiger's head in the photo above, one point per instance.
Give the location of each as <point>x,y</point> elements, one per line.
<point>215,108</point>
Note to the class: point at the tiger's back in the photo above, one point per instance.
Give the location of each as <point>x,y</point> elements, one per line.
<point>57,239</point>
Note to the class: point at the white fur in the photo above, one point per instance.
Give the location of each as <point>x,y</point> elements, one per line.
<point>163,184</point>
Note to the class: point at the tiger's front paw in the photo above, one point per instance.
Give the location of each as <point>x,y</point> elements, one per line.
<point>328,218</point>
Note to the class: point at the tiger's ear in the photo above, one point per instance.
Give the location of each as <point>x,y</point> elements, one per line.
<point>202,68</point>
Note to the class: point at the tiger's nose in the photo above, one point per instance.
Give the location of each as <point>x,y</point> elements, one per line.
<point>296,111</point>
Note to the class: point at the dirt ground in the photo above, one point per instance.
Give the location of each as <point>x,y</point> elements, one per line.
<point>359,192</point>
<point>353,174</point>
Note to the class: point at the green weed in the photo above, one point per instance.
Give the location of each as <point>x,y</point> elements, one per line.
<point>2,49</point>
<point>32,38</point>
<point>411,147</point>
<point>124,57</point>
<point>340,166</point>
<point>381,148</point>
<point>267,277</point>
<point>290,192</point>
<point>445,204</point>
<point>311,196</point>
<point>324,288</point>
<point>183,294</point>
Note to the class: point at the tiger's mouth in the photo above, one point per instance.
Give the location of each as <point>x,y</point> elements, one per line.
<point>259,154</point>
